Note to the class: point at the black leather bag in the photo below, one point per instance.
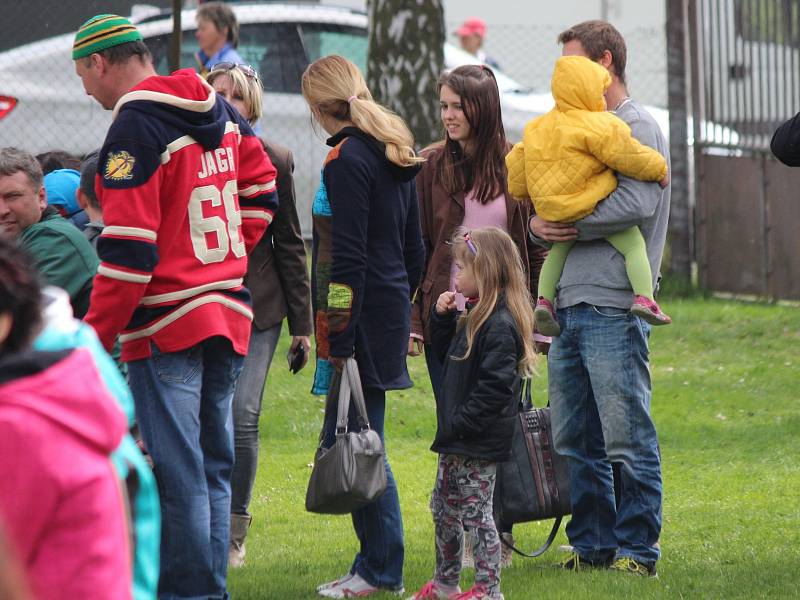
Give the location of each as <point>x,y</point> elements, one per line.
<point>534,484</point>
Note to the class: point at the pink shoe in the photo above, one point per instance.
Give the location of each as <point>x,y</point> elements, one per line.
<point>477,592</point>
<point>650,311</point>
<point>544,315</point>
<point>435,591</point>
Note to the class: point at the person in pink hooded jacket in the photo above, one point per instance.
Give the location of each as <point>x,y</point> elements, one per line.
<point>61,504</point>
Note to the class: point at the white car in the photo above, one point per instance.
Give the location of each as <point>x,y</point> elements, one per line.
<point>43,105</point>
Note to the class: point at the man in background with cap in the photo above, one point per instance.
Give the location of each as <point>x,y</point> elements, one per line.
<point>472,33</point>
<point>61,186</point>
<point>186,190</point>
<point>62,254</point>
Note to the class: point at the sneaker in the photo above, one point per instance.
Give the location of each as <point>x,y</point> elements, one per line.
<point>355,587</point>
<point>506,553</point>
<point>575,562</point>
<point>334,583</point>
<point>544,315</point>
<point>436,591</point>
<point>477,592</point>
<point>626,564</point>
<point>566,548</point>
<point>649,310</point>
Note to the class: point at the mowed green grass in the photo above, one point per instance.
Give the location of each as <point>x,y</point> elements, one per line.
<point>726,380</point>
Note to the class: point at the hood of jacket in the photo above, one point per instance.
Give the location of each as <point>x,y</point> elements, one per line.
<point>378,148</point>
<point>64,388</point>
<point>579,83</point>
<point>184,100</point>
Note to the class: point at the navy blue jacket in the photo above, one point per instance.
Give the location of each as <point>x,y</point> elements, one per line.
<point>372,248</point>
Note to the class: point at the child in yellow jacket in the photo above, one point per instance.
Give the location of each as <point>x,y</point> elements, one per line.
<point>565,164</point>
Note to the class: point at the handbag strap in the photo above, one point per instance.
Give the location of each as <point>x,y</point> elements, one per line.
<point>525,397</point>
<point>541,550</point>
<point>351,387</point>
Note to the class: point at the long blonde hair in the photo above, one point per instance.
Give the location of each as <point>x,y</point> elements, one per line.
<point>497,267</point>
<point>333,86</point>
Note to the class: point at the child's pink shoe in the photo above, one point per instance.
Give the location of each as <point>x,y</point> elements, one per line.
<point>545,317</point>
<point>650,311</point>
<point>435,591</point>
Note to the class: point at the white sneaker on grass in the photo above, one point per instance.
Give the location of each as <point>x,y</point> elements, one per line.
<point>354,587</point>
<point>334,583</point>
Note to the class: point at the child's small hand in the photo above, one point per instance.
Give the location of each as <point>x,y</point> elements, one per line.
<point>664,182</point>
<point>446,303</point>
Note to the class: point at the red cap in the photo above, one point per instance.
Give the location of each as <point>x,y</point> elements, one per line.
<point>472,26</point>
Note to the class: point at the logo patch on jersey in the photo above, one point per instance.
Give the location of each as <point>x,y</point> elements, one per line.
<point>119,166</point>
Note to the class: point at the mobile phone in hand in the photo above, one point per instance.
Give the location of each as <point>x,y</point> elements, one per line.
<point>296,358</point>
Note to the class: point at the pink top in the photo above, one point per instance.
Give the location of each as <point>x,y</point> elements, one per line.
<point>491,214</point>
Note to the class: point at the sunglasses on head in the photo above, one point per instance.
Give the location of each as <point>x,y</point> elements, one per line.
<point>230,66</point>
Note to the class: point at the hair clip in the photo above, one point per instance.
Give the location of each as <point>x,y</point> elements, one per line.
<point>470,244</point>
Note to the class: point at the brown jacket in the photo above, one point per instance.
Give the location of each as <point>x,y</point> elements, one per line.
<point>277,271</point>
<point>440,214</point>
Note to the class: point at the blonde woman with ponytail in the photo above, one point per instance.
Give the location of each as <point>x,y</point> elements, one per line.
<point>367,261</point>
<point>486,350</point>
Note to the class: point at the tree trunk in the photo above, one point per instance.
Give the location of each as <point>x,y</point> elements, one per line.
<point>406,57</point>
<point>680,218</point>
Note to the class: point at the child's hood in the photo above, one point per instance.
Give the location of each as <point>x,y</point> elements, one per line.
<point>579,83</point>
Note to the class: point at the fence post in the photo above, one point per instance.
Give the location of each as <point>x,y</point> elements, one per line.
<point>680,219</point>
<point>175,42</point>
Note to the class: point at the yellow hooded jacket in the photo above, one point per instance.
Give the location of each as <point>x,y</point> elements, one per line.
<point>567,158</point>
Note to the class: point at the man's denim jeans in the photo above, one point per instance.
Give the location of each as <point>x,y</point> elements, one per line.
<point>378,526</point>
<point>599,387</point>
<point>246,411</point>
<point>183,407</point>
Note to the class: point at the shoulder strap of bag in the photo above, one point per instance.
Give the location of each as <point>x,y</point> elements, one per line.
<point>525,398</point>
<point>543,548</point>
<point>343,407</point>
<point>351,374</point>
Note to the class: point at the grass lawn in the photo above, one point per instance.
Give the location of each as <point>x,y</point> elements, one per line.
<point>726,380</point>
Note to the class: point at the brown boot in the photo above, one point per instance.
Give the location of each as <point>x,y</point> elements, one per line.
<point>236,551</point>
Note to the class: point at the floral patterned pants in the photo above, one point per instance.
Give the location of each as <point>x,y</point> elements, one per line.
<point>462,498</point>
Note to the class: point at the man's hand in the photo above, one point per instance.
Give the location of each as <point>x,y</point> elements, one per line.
<point>446,303</point>
<point>551,231</point>
<point>414,346</point>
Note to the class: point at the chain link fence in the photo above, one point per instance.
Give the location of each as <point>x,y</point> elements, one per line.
<point>43,106</point>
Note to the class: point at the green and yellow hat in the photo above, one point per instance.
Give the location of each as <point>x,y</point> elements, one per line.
<point>101,32</point>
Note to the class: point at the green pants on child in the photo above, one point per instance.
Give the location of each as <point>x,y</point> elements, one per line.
<point>629,243</point>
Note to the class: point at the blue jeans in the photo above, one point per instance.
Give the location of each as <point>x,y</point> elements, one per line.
<point>183,406</point>
<point>378,526</point>
<point>599,387</point>
<point>246,411</point>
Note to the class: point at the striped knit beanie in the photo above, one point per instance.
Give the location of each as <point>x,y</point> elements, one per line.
<point>101,32</point>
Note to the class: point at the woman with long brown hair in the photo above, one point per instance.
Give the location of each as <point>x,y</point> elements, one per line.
<point>367,261</point>
<point>464,184</point>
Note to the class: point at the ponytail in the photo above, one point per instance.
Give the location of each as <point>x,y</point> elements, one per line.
<point>335,87</point>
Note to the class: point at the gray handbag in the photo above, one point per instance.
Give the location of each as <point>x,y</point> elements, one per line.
<point>351,473</point>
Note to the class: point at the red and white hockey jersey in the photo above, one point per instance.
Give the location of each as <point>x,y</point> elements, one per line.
<point>186,191</point>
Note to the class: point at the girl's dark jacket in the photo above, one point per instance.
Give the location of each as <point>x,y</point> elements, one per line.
<point>479,396</point>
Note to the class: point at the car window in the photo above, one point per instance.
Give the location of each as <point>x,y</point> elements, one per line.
<point>273,49</point>
<point>323,40</point>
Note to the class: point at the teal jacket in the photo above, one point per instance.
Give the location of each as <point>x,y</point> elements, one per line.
<point>62,332</point>
<point>63,256</point>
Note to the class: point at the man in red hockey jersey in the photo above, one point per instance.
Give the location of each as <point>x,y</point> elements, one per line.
<point>186,190</point>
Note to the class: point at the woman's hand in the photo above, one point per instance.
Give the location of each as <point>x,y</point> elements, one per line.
<point>446,303</point>
<point>414,346</point>
<point>550,231</point>
<point>305,341</point>
<point>338,362</point>
<point>664,182</point>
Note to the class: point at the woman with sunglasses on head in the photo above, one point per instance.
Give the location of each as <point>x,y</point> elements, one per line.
<point>277,277</point>
<point>464,184</point>
<point>367,262</point>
